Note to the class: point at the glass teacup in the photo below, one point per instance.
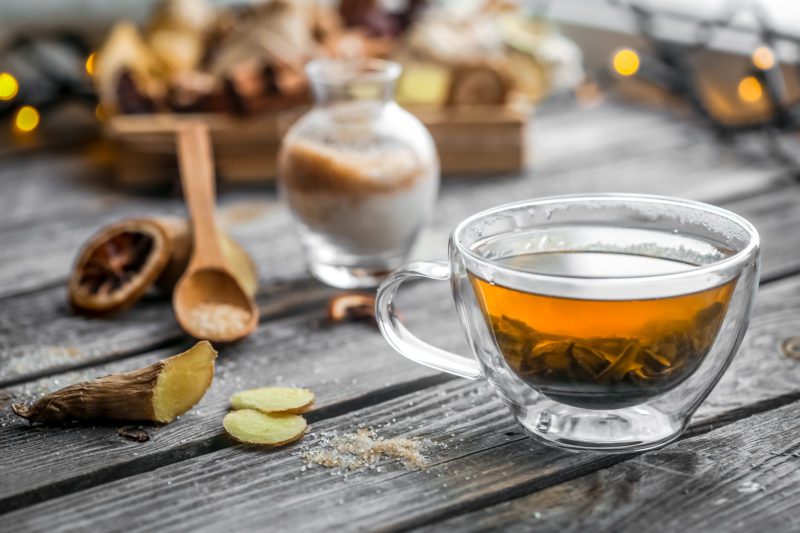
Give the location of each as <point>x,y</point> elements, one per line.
<point>602,321</point>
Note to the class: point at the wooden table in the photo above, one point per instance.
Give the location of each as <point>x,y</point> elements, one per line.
<point>737,469</point>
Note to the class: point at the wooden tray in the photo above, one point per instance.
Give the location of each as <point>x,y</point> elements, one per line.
<point>488,140</point>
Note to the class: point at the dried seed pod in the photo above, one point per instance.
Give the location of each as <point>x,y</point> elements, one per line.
<point>481,84</point>
<point>118,265</point>
<point>351,306</point>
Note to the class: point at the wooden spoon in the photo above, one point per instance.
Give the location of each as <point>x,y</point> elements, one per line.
<point>209,302</point>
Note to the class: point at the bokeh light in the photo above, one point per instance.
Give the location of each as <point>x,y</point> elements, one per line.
<point>90,63</point>
<point>26,119</point>
<point>750,89</point>
<point>763,58</point>
<point>626,62</point>
<point>9,87</point>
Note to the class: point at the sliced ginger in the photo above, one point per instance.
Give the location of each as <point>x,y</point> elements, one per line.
<point>254,427</point>
<point>158,393</point>
<point>274,400</point>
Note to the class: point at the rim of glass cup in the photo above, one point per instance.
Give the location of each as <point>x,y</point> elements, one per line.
<point>734,261</point>
<point>340,71</point>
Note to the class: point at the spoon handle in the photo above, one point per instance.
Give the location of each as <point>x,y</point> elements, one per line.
<point>197,178</point>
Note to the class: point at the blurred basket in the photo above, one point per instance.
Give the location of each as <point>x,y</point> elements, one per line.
<point>470,141</point>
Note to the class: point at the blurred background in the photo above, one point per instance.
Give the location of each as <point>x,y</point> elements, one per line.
<point>70,69</point>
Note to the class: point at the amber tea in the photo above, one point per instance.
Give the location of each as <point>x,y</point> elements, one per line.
<point>601,354</point>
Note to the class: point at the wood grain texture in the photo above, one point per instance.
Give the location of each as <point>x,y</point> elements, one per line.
<point>742,477</point>
<point>38,333</point>
<point>477,457</point>
<point>604,149</point>
<point>194,440</point>
<point>190,475</point>
<point>344,364</point>
<point>638,154</point>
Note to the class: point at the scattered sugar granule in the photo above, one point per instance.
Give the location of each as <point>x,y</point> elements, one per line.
<point>363,449</point>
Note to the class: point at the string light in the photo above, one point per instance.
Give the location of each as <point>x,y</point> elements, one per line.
<point>750,89</point>
<point>26,119</point>
<point>626,62</point>
<point>763,58</point>
<point>9,87</point>
<point>90,63</point>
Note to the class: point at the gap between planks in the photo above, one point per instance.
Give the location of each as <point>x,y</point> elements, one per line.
<point>372,398</point>
<point>369,398</point>
<point>312,296</point>
<point>198,448</point>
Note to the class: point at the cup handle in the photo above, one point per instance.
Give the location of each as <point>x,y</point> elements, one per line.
<point>403,340</point>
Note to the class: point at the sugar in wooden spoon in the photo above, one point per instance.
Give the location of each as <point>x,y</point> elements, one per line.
<point>209,302</point>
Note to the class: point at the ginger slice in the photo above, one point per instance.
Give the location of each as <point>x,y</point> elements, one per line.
<point>158,393</point>
<point>282,400</point>
<point>254,427</point>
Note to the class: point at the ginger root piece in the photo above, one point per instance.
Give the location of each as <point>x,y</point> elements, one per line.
<point>157,393</point>
<point>274,400</point>
<point>254,427</point>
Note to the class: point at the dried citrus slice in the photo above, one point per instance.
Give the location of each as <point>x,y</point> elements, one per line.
<point>118,265</point>
<point>255,427</point>
<point>274,399</point>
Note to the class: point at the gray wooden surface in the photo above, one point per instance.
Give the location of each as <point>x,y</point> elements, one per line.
<point>734,470</point>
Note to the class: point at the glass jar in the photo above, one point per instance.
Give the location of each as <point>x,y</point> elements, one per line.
<point>359,173</point>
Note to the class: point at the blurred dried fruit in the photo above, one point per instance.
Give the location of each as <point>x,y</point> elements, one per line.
<point>177,33</point>
<point>477,85</point>
<point>128,76</point>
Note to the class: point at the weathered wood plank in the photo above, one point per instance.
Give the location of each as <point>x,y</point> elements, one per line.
<point>626,161</point>
<point>325,362</point>
<point>742,477</point>
<point>342,364</point>
<point>38,333</point>
<point>478,458</point>
<point>609,148</point>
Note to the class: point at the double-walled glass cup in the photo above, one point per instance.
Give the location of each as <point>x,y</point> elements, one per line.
<point>632,311</point>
